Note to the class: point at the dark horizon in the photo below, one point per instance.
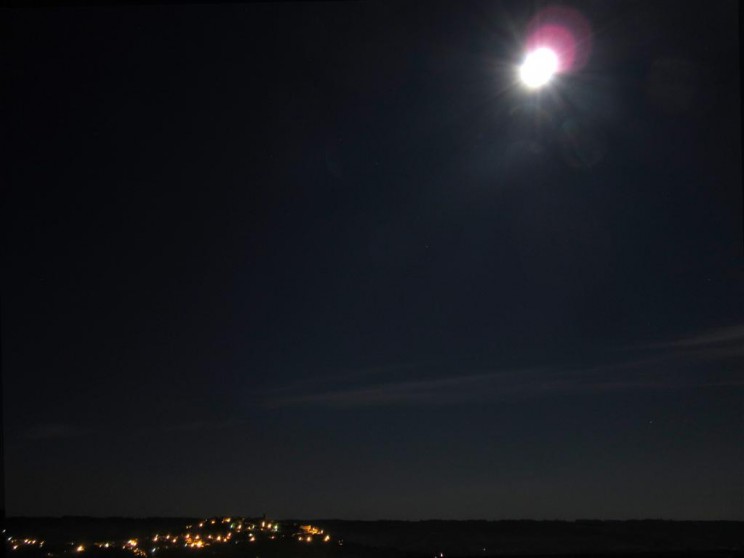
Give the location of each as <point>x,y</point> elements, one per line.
<point>340,538</point>
<point>337,259</point>
<point>377,520</point>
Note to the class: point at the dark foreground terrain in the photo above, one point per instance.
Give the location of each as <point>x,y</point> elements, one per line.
<point>489,538</point>
<point>78,537</point>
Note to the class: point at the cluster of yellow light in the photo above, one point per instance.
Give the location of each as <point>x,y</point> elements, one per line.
<point>130,545</point>
<point>311,530</point>
<point>17,543</point>
<point>307,532</point>
<point>193,540</point>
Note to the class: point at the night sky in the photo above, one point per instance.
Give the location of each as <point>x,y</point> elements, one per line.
<point>333,260</point>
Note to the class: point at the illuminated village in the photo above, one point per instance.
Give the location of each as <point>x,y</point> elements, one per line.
<point>212,533</point>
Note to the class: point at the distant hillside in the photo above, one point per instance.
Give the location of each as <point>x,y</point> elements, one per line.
<point>488,538</point>
<point>434,539</point>
<point>70,528</point>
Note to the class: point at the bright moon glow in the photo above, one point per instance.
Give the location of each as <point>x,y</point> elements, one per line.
<point>538,67</point>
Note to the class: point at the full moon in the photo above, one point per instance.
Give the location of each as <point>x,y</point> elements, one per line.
<point>538,67</point>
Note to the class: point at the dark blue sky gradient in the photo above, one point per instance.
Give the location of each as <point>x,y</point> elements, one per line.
<point>331,260</point>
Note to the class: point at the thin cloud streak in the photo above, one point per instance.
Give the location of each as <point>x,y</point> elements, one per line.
<point>440,390</point>
<point>655,372</point>
<point>484,387</point>
<point>718,344</point>
<point>731,335</point>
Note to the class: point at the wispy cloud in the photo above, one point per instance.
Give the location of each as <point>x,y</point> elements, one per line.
<point>458,389</point>
<point>672,365</point>
<point>432,391</point>
<point>731,338</point>
<point>717,343</point>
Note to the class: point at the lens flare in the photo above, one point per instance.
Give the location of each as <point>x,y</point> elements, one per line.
<point>559,40</point>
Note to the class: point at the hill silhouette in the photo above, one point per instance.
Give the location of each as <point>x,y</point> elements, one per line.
<point>400,539</point>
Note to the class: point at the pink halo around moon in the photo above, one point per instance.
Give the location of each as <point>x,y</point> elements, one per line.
<point>564,31</point>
